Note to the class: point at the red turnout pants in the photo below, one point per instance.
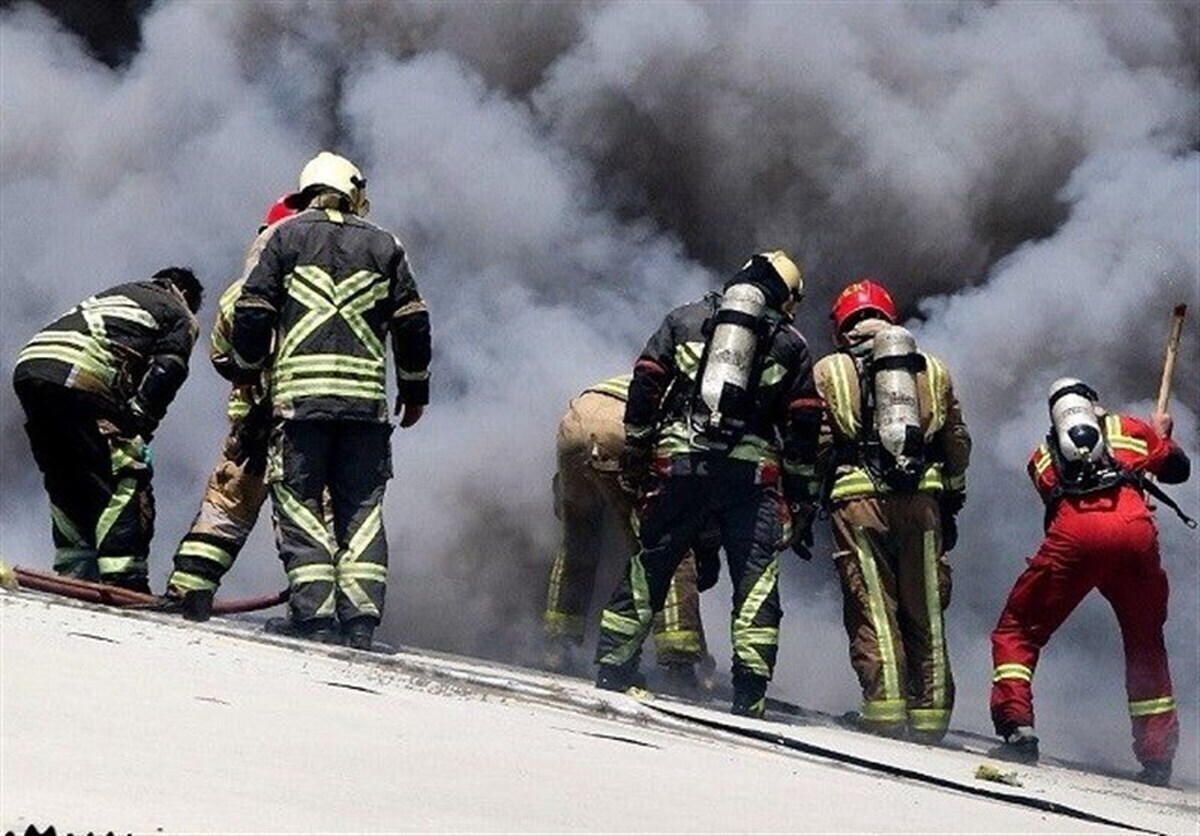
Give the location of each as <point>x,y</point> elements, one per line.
<point>1108,543</point>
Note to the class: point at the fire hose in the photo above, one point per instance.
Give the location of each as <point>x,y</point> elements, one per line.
<point>99,593</point>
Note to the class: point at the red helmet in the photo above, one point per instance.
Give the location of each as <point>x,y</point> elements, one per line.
<point>863,295</point>
<point>278,211</point>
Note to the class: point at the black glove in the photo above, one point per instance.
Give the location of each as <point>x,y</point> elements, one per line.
<point>950,504</point>
<point>137,421</point>
<point>250,443</point>
<point>635,468</point>
<point>802,533</point>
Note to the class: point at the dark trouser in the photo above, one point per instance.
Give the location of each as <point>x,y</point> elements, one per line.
<point>340,573</point>
<point>896,587</point>
<point>98,479</point>
<point>754,525</point>
<point>228,511</point>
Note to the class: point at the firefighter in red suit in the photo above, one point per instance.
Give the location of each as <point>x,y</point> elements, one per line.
<point>1100,534</point>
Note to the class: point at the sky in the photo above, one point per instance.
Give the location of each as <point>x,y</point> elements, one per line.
<point>1024,177</point>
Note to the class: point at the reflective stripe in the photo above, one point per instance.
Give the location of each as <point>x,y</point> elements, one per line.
<point>205,551</point>
<point>561,624</point>
<point>367,531</point>
<point>843,403</point>
<point>856,481</point>
<point>66,527</point>
<point>1118,440</point>
<point>1043,459</point>
<point>68,559</point>
<point>956,484</point>
<point>69,355</point>
<point>110,565</point>
<point>929,719</point>
<point>678,641</point>
<point>670,610</point>
<point>617,623</point>
<point>414,376</point>
<point>772,374</point>
<point>687,357</point>
<point>312,573</point>
<point>554,590</point>
<point>189,582</point>
<point>877,610</point>
<point>327,364</point>
<point>745,636</point>
<point>635,629</point>
<point>361,572</point>
<point>120,498</point>
<point>1012,670</point>
<point>305,519</point>
<point>933,611</point>
<point>1149,708</point>
<point>329,387</point>
<point>935,376</point>
<point>617,387</point>
<point>884,711</point>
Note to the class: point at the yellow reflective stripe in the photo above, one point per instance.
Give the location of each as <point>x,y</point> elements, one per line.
<point>933,611</point>
<point>885,711</point>
<point>330,387</point>
<point>120,498</point>
<point>855,481</point>
<point>414,376</point>
<point>352,313</point>
<point>301,516</point>
<point>1148,708</point>
<point>205,551</point>
<point>928,719</point>
<point>751,448</point>
<point>958,483</point>
<point>561,624</point>
<point>1043,460</point>
<point>335,216</point>
<point>670,610</point>
<point>317,279</point>
<point>328,363</point>
<point>878,613</point>
<point>617,387</point>
<point>189,582</point>
<point>361,572</point>
<point>320,310</point>
<point>312,573</point>
<point>367,531</point>
<point>69,355</point>
<point>110,565</point>
<point>1012,670</point>
<point>934,374</point>
<point>617,623</point>
<point>687,357</point>
<point>67,557</point>
<point>843,401</point>
<point>1118,440</point>
<point>554,588</point>
<point>772,374</point>
<point>84,342</point>
<point>678,641</point>
<point>746,636</point>
<point>66,526</point>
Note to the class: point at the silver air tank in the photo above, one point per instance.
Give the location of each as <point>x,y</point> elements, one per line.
<point>731,349</point>
<point>1076,426</point>
<point>897,412</point>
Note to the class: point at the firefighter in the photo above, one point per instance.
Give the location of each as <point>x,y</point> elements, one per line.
<point>722,421</point>
<point>894,453</point>
<point>591,439</point>
<point>1090,472</point>
<point>94,385</point>
<point>235,491</point>
<point>318,301</point>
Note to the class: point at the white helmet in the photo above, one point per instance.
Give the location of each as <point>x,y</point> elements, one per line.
<point>335,172</point>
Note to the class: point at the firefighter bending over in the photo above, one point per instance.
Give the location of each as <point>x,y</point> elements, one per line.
<point>1091,473</point>
<point>94,385</point>
<point>591,441</point>
<point>327,288</point>
<point>722,422</point>
<point>895,450</point>
<point>235,491</point>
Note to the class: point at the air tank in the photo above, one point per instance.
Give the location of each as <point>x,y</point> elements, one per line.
<point>1076,426</point>
<point>897,410</point>
<point>731,350</point>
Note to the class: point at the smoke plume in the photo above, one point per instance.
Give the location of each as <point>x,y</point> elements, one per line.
<point>1024,177</point>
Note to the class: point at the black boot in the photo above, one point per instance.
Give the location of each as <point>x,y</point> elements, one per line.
<point>196,605</point>
<point>749,695</point>
<point>1155,773</point>
<point>359,633</point>
<point>619,678</point>
<point>1020,746</point>
<point>134,583</point>
<point>320,630</point>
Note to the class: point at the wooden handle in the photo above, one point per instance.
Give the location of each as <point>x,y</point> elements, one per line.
<point>1164,386</point>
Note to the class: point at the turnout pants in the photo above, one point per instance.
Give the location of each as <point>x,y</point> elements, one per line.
<point>755,526</point>
<point>1109,544</point>
<point>98,479</point>
<point>896,586</point>
<point>590,440</point>
<point>228,511</point>
<point>339,570</point>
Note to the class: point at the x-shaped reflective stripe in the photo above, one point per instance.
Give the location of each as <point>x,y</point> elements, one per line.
<point>315,289</point>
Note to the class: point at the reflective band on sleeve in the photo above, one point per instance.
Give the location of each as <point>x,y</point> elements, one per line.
<point>413,376</point>
<point>1118,440</point>
<point>1012,670</point>
<point>1148,708</point>
<point>687,357</point>
<point>772,374</point>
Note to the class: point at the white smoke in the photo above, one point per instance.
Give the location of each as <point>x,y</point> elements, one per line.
<point>1023,176</point>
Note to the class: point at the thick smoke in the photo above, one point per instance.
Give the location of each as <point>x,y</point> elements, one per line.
<point>1025,178</point>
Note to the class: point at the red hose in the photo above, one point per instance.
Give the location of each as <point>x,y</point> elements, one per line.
<point>99,593</point>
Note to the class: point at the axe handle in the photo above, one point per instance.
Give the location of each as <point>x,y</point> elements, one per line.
<point>1164,386</point>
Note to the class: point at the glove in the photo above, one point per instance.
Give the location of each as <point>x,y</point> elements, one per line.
<point>410,413</point>
<point>950,504</point>
<point>635,468</point>
<point>250,443</point>
<point>137,421</point>
<point>802,533</point>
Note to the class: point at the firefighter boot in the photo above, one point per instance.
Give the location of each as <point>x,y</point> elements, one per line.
<point>680,679</point>
<point>359,633</point>
<point>128,580</point>
<point>1020,746</point>
<point>749,695</point>
<point>320,630</point>
<point>196,605</point>
<point>1155,773</point>
<point>619,678</point>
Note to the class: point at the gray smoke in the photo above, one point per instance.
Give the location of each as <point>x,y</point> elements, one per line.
<point>1024,177</point>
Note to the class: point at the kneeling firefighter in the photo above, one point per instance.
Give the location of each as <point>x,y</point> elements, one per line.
<point>236,490</point>
<point>591,442</point>
<point>894,450</point>
<point>1100,534</point>
<point>721,423</point>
